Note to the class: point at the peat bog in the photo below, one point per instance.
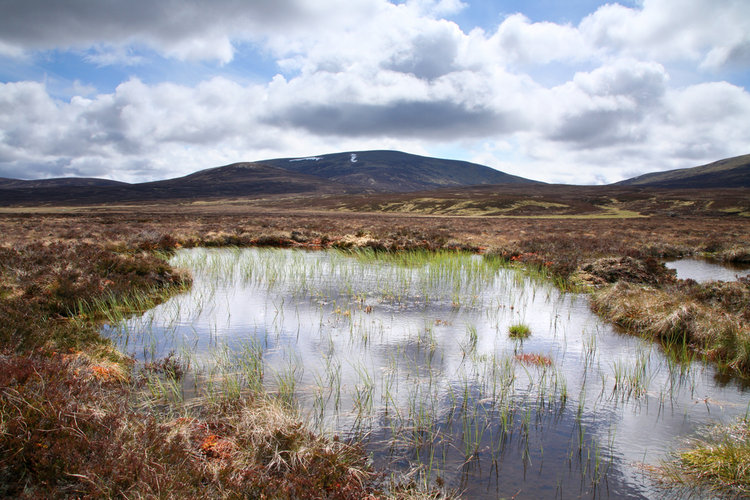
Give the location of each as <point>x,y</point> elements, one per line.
<point>79,418</point>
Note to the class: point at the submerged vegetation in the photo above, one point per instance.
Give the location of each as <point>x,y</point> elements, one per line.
<point>78,419</point>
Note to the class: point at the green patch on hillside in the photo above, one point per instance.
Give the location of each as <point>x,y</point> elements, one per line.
<point>742,212</point>
<point>482,207</point>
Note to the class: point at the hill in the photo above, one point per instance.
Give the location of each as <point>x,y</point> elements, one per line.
<point>236,180</point>
<point>59,182</point>
<point>339,173</point>
<point>239,179</point>
<point>727,173</point>
<point>394,171</point>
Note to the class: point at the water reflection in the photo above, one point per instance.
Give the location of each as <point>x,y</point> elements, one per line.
<point>702,270</point>
<point>412,354</point>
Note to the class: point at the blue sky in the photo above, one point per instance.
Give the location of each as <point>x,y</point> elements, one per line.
<point>574,92</point>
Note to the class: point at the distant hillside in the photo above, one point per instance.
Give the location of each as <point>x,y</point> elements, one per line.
<point>236,180</point>
<point>394,171</point>
<point>728,173</point>
<point>60,182</point>
<point>239,179</point>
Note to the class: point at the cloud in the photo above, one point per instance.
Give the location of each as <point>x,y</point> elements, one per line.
<point>187,30</point>
<point>427,55</point>
<point>707,120</point>
<point>425,119</point>
<point>606,106</point>
<point>129,127</point>
<point>370,73</point>
<point>673,30</point>
<point>519,40</point>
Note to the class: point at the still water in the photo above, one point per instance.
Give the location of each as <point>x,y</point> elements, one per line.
<point>411,354</point>
<point>702,270</point>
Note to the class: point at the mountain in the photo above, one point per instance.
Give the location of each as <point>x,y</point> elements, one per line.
<point>394,171</point>
<point>727,173</point>
<point>339,173</point>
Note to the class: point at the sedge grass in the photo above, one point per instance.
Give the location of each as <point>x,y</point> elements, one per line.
<point>519,331</point>
<point>678,319</point>
<point>718,460</point>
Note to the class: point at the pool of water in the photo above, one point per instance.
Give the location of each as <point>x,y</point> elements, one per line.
<point>411,354</point>
<point>702,270</point>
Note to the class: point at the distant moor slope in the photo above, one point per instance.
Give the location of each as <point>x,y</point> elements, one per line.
<point>727,173</point>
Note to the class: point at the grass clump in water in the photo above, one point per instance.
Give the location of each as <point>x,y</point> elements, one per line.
<point>720,460</point>
<point>519,331</point>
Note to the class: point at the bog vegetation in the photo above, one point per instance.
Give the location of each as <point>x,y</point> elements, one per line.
<point>77,419</point>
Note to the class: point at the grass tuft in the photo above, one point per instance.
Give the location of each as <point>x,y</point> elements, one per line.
<point>719,460</point>
<point>519,331</point>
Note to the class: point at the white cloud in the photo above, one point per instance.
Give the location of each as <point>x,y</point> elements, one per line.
<point>606,106</point>
<point>672,30</point>
<point>519,40</point>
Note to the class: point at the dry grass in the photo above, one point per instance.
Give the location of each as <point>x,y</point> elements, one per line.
<point>68,433</point>
<point>715,325</point>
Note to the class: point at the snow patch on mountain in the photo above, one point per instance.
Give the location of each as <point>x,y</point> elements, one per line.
<point>309,158</point>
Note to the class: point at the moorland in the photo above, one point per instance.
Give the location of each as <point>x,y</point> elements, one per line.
<point>75,421</point>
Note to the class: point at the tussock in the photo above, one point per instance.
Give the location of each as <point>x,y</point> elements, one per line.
<point>719,461</point>
<point>674,316</point>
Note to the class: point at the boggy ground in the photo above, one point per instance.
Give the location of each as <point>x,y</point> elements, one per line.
<point>73,417</point>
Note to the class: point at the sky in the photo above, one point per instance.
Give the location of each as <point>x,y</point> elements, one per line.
<point>576,91</point>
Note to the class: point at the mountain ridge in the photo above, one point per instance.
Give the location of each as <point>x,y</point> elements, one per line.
<point>57,182</point>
